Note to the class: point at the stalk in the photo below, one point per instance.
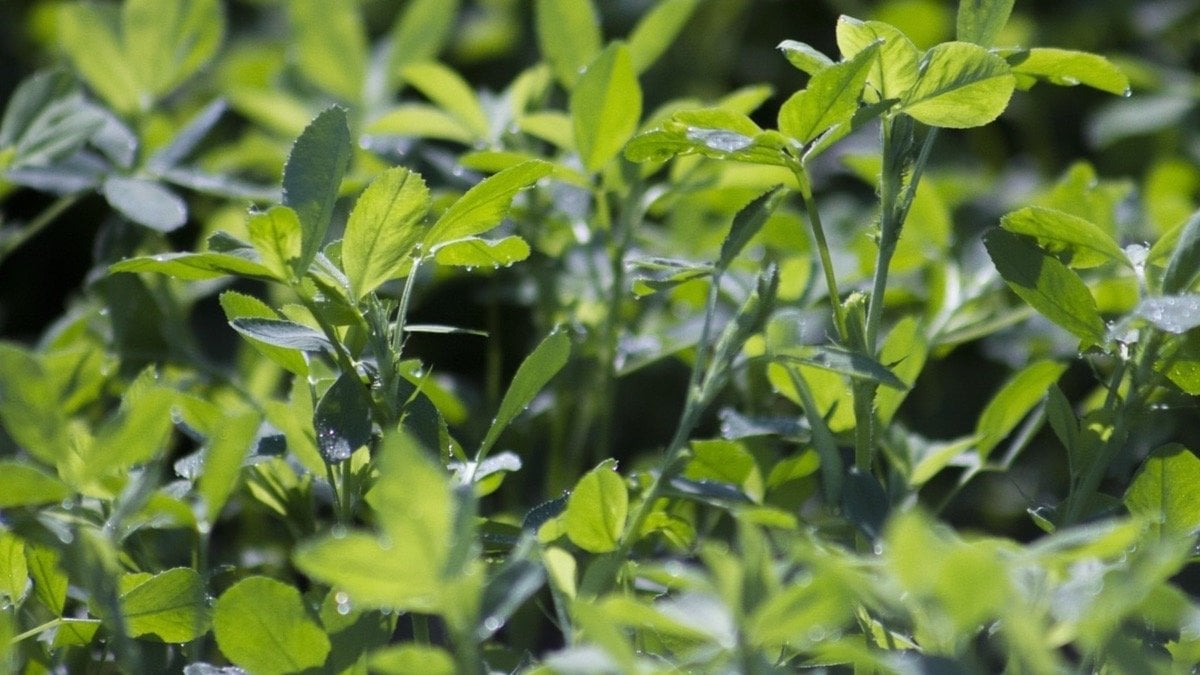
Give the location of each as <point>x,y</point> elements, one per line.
<point>16,239</point>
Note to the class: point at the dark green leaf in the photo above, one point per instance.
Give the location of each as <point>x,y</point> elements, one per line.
<point>865,503</point>
<point>747,223</point>
<point>383,229</point>
<point>535,371</point>
<point>259,611</point>
<point>1184,264</point>
<point>1046,284</point>
<point>313,175</point>
<point>282,333</point>
<point>510,587</point>
<point>342,418</point>
<point>606,106</point>
<point>831,98</point>
<point>980,21</point>
<point>58,128</point>
<point>961,85</point>
<point>568,35</point>
<point>145,202</point>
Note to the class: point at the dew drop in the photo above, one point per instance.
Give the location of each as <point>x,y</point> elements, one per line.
<point>1127,93</point>
<point>492,623</point>
<point>338,532</point>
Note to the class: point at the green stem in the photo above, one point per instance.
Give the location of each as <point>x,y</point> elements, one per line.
<point>13,241</point>
<point>37,630</point>
<point>420,628</point>
<point>818,233</point>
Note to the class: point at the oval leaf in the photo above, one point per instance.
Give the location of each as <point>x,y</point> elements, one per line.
<point>980,21</point>
<point>342,419</point>
<point>961,85</point>
<point>1013,402</point>
<point>170,606</point>
<point>568,35</point>
<point>482,207</point>
<point>893,69</point>
<point>258,611</point>
<point>831,98</point>
<point>1069,68</point>
<point>24,485</point>
<point>282,333</point>
<point>383,229</point>
<point>1057,231</point>
<point>606,106</point>
<point>476,252</point>
<point>596,509</point>
<point>145,203</point>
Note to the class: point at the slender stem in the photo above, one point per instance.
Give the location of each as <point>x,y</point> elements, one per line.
<point>420,628</point>
<point>13,241</point>
<point>818,233</point>
<point>36,630</point>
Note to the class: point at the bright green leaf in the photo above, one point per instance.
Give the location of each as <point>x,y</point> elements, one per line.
<point>961,85</point>
<point>805,57</point>
<point>22,484</point>
<point>475,252</point>
<point>14,571</point>
<point>170,606</point>
<point>29,406</point>
<point>276,235</point>
<point>597,508</point>
<point>904,352</point>
<point>482,207</point>
<point>89,34</point>
<point>223,457</point>
<point>535,371</point>
<point>606,106</point>
<point>893,68</point>
<point>1046,284</point>
<point>383,229</point>
<point>980,21</point>
<point>49,580</point>
<point>412,659</point>
<point>1086,244</point>
<point>196,266</point>
<point>258,611</point>
<point>848,363</point>
<point>313,176</point>
<point>421,30</point>
<point>451,93</point>
<point>568,35</point>
<point>167,41</point>
<point>1166,491</point>
<point>1070,68</point>
<point>75,632</point>
<point>657,29</point>
<point>747,223</point>
<point>422,121</point>
<point>136,433</point>
<point>1013,402</point>
<point>831,98</point>
<point>725,461</point>
<point>330,46</point>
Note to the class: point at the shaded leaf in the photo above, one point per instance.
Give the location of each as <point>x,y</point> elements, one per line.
<point>1183,267</point>
<point>657,29</point>
<point>198,266</point>
<point>282,333</point>
<point>747,223</point>
<point>145,202</point>
<point>313,175</point>
<point>1172,313</point>
<point>1013,402</point>
<point>342,418</point>
<point>845,362</point>
<point>1070,68</point>
<point>22,484</point>
<point>980,21</point>
<point>1058,231</point>
<point>542,364</point>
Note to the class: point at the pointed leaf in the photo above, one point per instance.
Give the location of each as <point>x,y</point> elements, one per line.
<point>1057,231</point>
<point>848,363</point>
<point>1046,284</point>
<point>167,41</point>
<point>451,93</point>
<point>228,447</point>
<point>313,175</point>
<point>606,106</point>
<point>187,138</point>
<point>422,121</point>
<point>474,252</point>
<point>330,45</point>
<point>196,266</point>
<point>831,98</point>
<point>342,418</point>
<point>961,85</point>
<point>276,236</point>
<point>1069,68</point>
<point>421,31</point>
<point>1013,402</point>
<point>805,57</point>
<point>980,21</point>
<point>535,371</point>
<point>568,35</point>
<point>893,68</point>
<point>657,29</point>
<point>483,206</point>
<point>597,508</point>
<point>747,223</point>
<point>259,611</point>
<point>25,485</point>
<point>383,229</point>
<point>145,202</point>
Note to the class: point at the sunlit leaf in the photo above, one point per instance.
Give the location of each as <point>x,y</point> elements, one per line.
<point>383,229</point>
<point>568,35</point>
<point>1014,400</point>
<point>606,106</point>
<point>980,21</point>
<point>313,176</point>
<point>831,98</point>
<point>596,509</point>
<point>961,85</point>
<point>259,611</point>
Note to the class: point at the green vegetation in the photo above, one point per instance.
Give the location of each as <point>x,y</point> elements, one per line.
<point>434,337</point>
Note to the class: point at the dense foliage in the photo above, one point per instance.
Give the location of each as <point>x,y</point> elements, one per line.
<point>574,336</point>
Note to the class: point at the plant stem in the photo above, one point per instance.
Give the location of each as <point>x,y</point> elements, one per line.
<point>13,241</point>
<point>818,233</point>
<point>36,630</point>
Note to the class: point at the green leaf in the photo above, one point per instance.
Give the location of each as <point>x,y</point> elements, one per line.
<point>411,659</point>
<point>1069,68</point>
<point>88,33</point>
<point>258,611</point>
<point>961,85</point>
<point>198,266</point>
<point>342,418</point>
<point>904,352</point>
<point>657,29</point>
<point>29,405</point>
<point>1166,491</point>
<point>14,571</point>
<point>831,98</point>
<point>980,21</point>
<point>568,35</point>
<point>726,461</point>
<point>145,202</point>
<point>1184,265</point>
<point>838,360</point>
<point>1058,232</point>
<point>383,229</point>
<point>1063,422</point>
<point>168,41</point>
<point>22,484</point>
<point>30,100</point>
<point>475,252</point>
<point>805,57</point>
<point>1172,313</point>
<point>46,120</point>
<point>451,93</point>
<point>282,333</point>
<point>75,632</point>
<point>1046,284</point>
<point>276,236</point>
<point>747,223</point>
<point>227,448</point>
<point>170,606</point>
<point>482,207</point>
<point>313,175</point>
<point>239,306</point>
<point>542,364</point>
<point>893,68</point>
<point>606,106</point>
<point>330,46</point>
<point>422,121</point>
<point>597,508</point>
<point>137,432</point>
<point>421,31</point>
<point>1013,402</point>
<point>49,579</point>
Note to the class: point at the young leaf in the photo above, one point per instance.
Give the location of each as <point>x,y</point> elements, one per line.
<point>135,433</point>
<point>30,407</point>
<point>475,252</point>
<point>22,484</point>
<point>806,58</point>
<point>747,223</point>
<point>535,371</point>
<point>1166,491</point>
<point>330,46</point>
<point>847,363</point>
<point>342,418</point>
<point>313,175</point>
<point>597,508</point>
<point>606,106</point>
<point>904,351</point>
<point>657,30</point>
<point>167,41</point>
<point>451,93</point>
<point>1013,402</point>
<point>421,31</point>
<point>259,611</point>
<point>482,207</point>
<point>831,98</point>
<point>145,202</point>
<point>1184,264</point>
<point>170,606</point>
<point>1070,68</point>
<point>893,69</point>
<point>196,266</point>
<point>961,85</point>
<point>223,457</point>
<point>45,122</point>
<point>1046,284</point>
<point>406,659</point>
<point>89,36</point>
<point>568,35</point>
<point>383,229</point>
<point>282,333</point>
<point>275,234</point>
<point>980,21</point>
<point>1088,245</point>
